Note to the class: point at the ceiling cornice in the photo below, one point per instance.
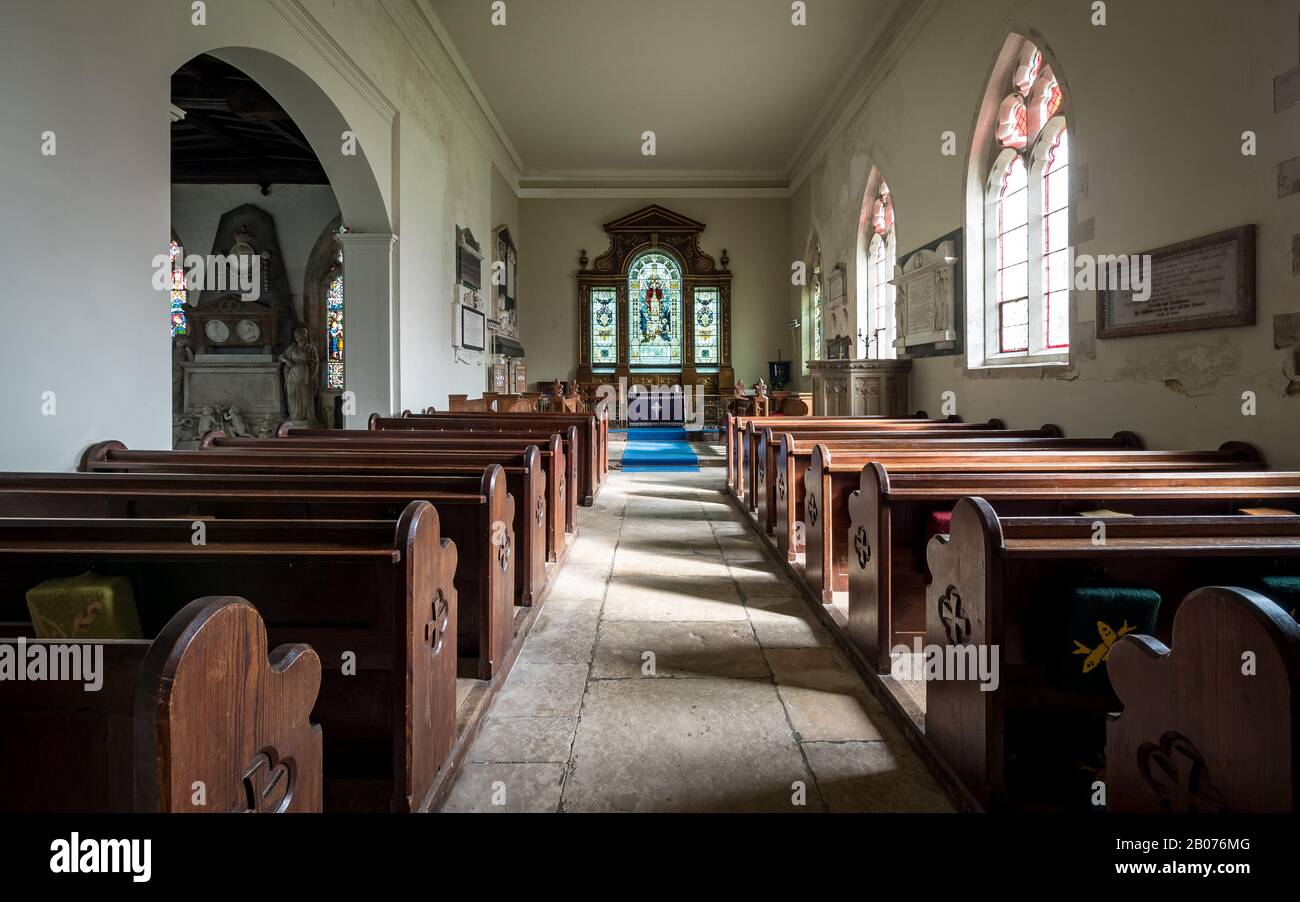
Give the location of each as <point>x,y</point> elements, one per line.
<point>854,91</point>
<point>879,53</point>
<point>306,25</point>
<point>432,45</point>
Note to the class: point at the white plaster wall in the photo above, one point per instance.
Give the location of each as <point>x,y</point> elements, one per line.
<point>1161,96</point>
<point>80,229</point>
<point>754,232</point>
<point>300,213</point>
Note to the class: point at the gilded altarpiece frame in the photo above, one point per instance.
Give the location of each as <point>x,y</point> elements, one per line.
<point>655,228</point>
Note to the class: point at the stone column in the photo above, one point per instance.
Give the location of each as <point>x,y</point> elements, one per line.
<point>370,318</point>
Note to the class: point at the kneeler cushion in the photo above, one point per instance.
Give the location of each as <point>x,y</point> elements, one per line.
<point>89,606</point>
<point>939,523</point>
<point>1090,621</point>
<point>1284,591</point>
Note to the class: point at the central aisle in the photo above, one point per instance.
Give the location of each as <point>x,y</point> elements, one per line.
<point>675,668</point>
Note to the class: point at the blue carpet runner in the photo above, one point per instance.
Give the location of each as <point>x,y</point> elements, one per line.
<point>658,450</point>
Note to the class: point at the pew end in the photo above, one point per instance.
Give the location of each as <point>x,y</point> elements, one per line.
<point>963,723</point>
<point>1243,451</point>
<point>1201,731</point>
<point>211,437</point>
<point>171,712</point>
<point>98,452</point>
<point>430,609</point>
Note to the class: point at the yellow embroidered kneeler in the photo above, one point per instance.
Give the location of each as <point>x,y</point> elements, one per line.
<point>89,606</point>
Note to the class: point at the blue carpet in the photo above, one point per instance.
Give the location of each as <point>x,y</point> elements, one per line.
<point>658,450</point>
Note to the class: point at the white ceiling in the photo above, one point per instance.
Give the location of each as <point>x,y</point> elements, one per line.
<point>730,87</point>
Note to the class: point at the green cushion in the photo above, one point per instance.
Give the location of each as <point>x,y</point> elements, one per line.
<point>1093,618</point>
<point>89,606</point>
<point>1284,590</point>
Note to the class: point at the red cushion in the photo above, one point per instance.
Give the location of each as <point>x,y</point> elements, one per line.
<point>939,524</point>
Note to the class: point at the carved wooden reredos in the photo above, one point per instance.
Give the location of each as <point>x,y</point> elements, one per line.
<point>659,229</point>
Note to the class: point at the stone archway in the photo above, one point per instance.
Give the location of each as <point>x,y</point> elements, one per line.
<point>369,246</point>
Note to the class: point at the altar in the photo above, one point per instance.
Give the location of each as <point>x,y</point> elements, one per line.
<point>654,310</point>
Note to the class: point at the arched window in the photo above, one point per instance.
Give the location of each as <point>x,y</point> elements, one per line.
<point>882,253</point>
<point>815,309</point>
<point>176,256</point>
<point>334,327</point>
<point>654,294</point>
<point>1027,218</point>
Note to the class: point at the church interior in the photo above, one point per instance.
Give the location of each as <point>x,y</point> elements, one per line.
<point>841,406</point>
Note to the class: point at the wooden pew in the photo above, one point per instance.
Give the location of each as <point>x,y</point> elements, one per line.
<point>752,436</point>
<point>477,513</point>
<point>792,460</point>
<point>774,464</point>
<point>996,578</point>
<point>559,459</point>
<point>736,426</point>
<point>168,713</point>
<point>1198,733</point>
<point>591,424</point>
<point>589,434</point>
<point>539,521</point>
<point>375,599</point>
<point>888,516</point>
<point>832,477</point>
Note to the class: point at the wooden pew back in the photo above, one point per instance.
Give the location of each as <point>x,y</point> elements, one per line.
<point>888,514</point>
<point>1201,732</point>
<point>168,713</point>
<point>375,599</point>
<point>994,577</point>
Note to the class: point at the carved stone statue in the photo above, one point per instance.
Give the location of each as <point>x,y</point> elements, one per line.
<point>237,427</point>
<point>209,419</point>
<point>301,364</point>
<point>270,425</point>
<point>181,353</point>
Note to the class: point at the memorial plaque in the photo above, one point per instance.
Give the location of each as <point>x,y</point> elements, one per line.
<point>1206,283</point>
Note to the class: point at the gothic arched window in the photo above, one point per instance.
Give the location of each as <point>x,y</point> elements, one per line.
<point>654,297</point>
<point>176,258</point>
<point>815,305</point>
<point>1027,219</point>
<point>334,327</point>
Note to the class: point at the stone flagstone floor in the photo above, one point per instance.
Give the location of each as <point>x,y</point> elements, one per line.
<point>676,668</point>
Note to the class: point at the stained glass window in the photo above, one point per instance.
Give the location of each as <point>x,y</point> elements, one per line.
<point>706,326</point>
<point>1031,299</point>
<point>180,324</point>
<point>655,309</point>
<point>815,302</point>
<point>334,333</point>
<point>604,327</point>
